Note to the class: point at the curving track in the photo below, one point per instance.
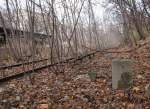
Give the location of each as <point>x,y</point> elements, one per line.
<point>42,66</point>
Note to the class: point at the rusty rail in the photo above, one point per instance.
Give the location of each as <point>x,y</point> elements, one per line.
<point>19,64</point>
<point>19,75</point>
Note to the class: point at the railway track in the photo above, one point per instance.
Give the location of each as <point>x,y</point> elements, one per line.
<point>20,64</point>
<point>8,70</point>
<point>20,74</point>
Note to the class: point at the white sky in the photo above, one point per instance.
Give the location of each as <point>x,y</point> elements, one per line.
<point>98,9</point>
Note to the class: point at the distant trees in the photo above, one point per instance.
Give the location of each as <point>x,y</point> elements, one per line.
<point>71,26</point>
<point>135,17</point>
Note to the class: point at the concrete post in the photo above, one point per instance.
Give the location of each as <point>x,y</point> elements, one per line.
<point>121,73</point>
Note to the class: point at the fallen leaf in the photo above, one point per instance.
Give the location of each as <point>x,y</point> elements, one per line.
<point>136,89</point>
<point>140,77</point>
<point>43,106</point>
<point>131,106</point>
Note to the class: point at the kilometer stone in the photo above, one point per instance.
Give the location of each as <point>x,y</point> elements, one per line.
<point>121,74</point>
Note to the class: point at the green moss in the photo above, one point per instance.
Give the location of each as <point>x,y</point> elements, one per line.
<point>126,81</point>
<point>92,75</point>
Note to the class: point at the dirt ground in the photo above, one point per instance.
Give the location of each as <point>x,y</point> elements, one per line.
<point>73,90</point>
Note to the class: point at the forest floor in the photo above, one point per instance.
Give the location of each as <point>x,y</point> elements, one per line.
<point>72,89</point>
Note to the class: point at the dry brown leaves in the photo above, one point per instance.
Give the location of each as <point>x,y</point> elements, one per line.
<point>70,90</point>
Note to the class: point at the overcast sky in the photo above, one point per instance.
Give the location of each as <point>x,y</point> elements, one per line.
<point>98,9</point>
